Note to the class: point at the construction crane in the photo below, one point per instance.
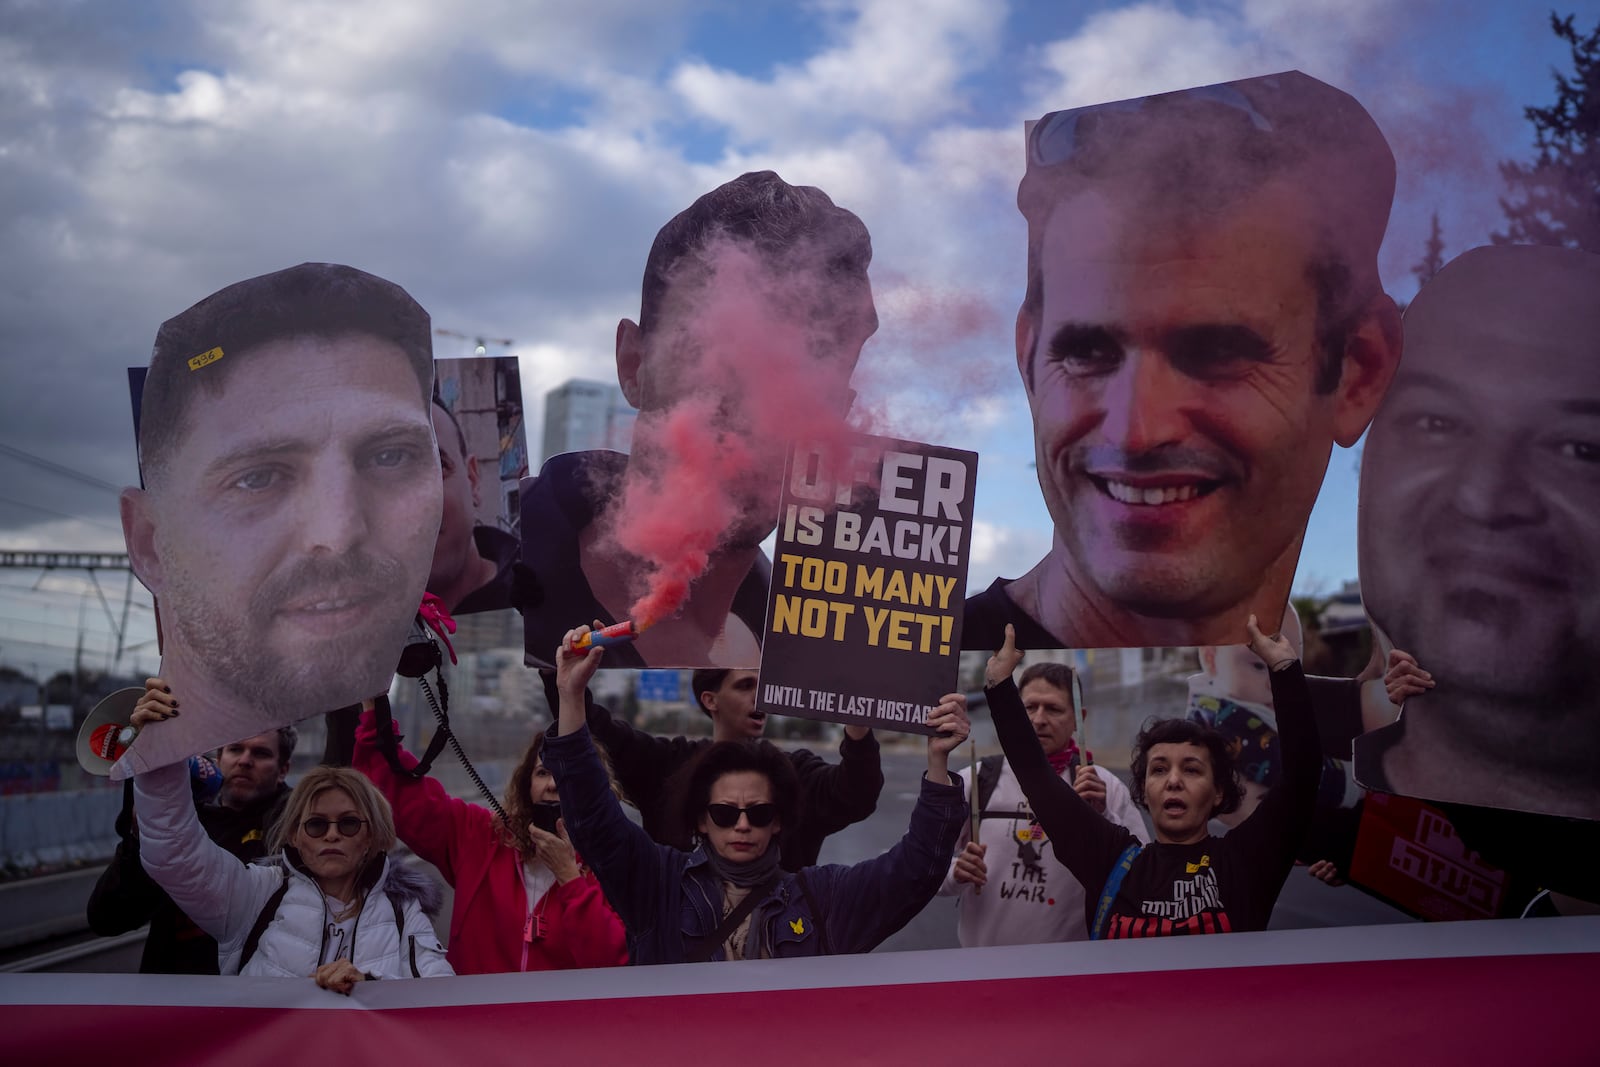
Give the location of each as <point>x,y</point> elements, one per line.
<point>480,344</point>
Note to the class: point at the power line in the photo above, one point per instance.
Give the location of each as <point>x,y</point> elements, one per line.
<point>59,514</point>
<point>56,468</point>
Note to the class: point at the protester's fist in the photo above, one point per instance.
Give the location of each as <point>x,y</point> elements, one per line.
<point>1326,871</point>
<point>1275,651</point>
<point>156,704</point>
<point>1003,662</point>
<point>574,667</point>
<point>1091,787</point>
<point>340,976</point>
<point>970,867</point>
<point>951,722</point>
<point>1405,678</point>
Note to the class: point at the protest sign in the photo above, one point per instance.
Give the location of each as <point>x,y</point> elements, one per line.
<point>864,618</point>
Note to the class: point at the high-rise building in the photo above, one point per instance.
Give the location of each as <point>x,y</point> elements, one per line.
<point>580,415</point>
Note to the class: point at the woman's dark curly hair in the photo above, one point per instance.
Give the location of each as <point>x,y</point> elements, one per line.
<point>731,757</point>
<point>1185,731</point>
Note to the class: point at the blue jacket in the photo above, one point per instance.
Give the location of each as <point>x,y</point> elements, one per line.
<point>670,899</point>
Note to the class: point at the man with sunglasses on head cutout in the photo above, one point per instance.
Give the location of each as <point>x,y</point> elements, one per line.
<point>1203,320</point>
<point>248,802</point>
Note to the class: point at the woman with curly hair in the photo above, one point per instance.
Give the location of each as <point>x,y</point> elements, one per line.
<point>523,901</point>
<point>729,898</point>
<point>1187,882</point>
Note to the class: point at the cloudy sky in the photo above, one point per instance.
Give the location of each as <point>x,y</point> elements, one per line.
<point>509,161</point>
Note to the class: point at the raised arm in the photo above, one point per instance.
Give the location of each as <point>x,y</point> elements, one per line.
<point>626,861</point>
<point>1274,830</point>
<point>641,761</point>
<point>432,823</point>
<point>1084,841</point>
<point>837,795</point>
<point>868,901</point>
<point>206,881</point>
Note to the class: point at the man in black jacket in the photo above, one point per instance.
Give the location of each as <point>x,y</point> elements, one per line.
<point>125,897</point>
<point>832,795</point>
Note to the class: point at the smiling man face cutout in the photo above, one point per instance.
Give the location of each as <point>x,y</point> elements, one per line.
<point>1203,322</point>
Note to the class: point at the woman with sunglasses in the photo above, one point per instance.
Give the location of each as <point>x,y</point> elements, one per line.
<point>329,903</point>
<point>522,900</point>
<point>729,899</point>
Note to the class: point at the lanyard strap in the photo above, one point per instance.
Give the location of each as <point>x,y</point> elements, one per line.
<point>1102,912</point>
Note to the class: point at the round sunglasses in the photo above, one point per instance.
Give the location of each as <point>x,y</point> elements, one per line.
<point>727,815</point>
<point>317,825</point>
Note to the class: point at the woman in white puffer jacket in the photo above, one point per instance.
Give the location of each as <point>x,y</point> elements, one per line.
<point>329,902</point>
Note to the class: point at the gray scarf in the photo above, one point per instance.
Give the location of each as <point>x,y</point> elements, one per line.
<point>744,875</point>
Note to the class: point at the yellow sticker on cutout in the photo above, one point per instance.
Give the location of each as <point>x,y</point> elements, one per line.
<point>206,358</point>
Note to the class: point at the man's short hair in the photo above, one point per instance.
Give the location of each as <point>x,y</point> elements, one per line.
<point>707,680</point>
<point>323,300</point>
<point>790,227</point>
<point>1203,151</point>
<point>1057,674</point>
<point>461,436</point>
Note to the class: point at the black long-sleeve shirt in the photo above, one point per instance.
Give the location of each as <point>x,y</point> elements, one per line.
<point>1216,885</point>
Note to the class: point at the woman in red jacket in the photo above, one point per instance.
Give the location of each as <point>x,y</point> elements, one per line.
<point>522,900</point>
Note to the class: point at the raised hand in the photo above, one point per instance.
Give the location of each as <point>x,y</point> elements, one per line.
<point>1004,662</point>
<point>1275,651</point>
<point>155,705</point>
<point>574,668</point>
<point>1405,678</point>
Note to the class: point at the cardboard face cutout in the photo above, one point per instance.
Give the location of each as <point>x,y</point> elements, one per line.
<point>477,420</point>
<point>756,307</point>
<point>1203,323</point>
<point>291,501</point>
<point>1480,534</point>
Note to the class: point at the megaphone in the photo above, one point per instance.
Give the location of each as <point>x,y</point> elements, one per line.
<point>105,734</point>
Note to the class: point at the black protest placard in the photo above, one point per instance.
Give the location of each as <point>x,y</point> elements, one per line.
<point>868,575</point>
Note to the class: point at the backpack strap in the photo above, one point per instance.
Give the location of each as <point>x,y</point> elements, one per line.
<point>703,949</point>
<point>263,921</point>
<point>1102,911</point>
<point>400,932</point>
<point>816,912</point>
<point>988,773</point>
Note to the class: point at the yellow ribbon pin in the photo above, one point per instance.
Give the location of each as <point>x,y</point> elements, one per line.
<point>797,925</point>
<point>1194,868</point>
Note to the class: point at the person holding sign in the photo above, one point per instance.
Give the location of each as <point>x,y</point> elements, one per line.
<point>649,768</point>
<point>729,899</point>
<point>1187,882</point>
<point>1031,898</point>
<point>331,904</point>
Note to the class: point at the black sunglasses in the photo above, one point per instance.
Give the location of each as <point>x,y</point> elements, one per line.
<point>317,825</point>
<point>727,815</point>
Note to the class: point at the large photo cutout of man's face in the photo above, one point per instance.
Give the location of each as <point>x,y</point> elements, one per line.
<point>1480,535</point>
<point>1203,322</point>
<point>291,500</point>
<point>477,420</point>
<point>754,310</point>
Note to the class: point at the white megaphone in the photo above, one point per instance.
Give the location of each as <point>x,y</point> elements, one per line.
<point>105,734</point>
